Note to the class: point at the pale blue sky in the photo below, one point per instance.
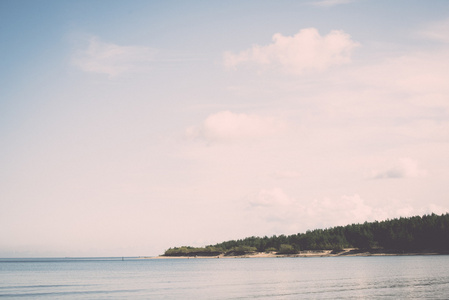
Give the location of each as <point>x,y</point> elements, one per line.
<point>128,127</point>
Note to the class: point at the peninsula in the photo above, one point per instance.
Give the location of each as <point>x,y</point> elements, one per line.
<point>427,234</point>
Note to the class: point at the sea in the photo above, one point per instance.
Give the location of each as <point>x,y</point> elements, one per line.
<point>357,277</point>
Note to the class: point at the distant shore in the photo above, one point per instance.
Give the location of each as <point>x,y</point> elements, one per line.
<point>309,253</point>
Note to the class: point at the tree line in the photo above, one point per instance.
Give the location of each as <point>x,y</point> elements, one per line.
<point>413,234</point>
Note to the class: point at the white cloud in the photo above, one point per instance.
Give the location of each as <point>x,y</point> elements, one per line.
<point>228,126</point>
<point>271,198</point>
<point>345,210</point>
<point>112,59</point>
<point>305,51</point>
<point>274,209</point>
<point>281,213</point>
<point>404,168</point>
<point>287,214</point>
<point>329,3</point>
<point>437,31</point>
<point>408,87</point>
<point>417,73</point>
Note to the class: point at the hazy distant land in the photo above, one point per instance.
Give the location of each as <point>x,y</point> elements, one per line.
<point>428,234</point>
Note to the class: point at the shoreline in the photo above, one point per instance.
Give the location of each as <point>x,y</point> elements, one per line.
<point>304,254</point>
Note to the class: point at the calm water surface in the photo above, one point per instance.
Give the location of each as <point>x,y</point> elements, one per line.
<point>391,277</point>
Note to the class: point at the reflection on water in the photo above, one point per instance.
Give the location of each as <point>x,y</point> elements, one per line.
<point>283,278</point>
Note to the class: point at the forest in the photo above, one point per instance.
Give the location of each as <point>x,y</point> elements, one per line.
<point>427,233</point>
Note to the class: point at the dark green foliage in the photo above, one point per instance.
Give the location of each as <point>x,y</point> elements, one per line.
<point>271,249</point>
<point>419,234</point>
<point>191,251</point>
<point>287,249</point>
<point>241,250</point>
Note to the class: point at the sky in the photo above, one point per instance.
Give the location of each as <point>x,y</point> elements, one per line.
<point>129,127</point>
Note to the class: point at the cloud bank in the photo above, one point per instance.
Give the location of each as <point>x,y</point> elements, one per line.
<point>286,214</point>
<point>305,51</point>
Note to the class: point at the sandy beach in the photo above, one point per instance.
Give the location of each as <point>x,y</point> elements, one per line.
<point>309,253</point>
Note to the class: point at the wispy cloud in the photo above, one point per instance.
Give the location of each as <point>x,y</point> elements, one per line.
<point>437,31</point>
<point>404,168</point>
<point>305,51</point>
<point>271,198</point>
<point>329,3</point>
<point>111,59</point>
<point>229,126</point>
